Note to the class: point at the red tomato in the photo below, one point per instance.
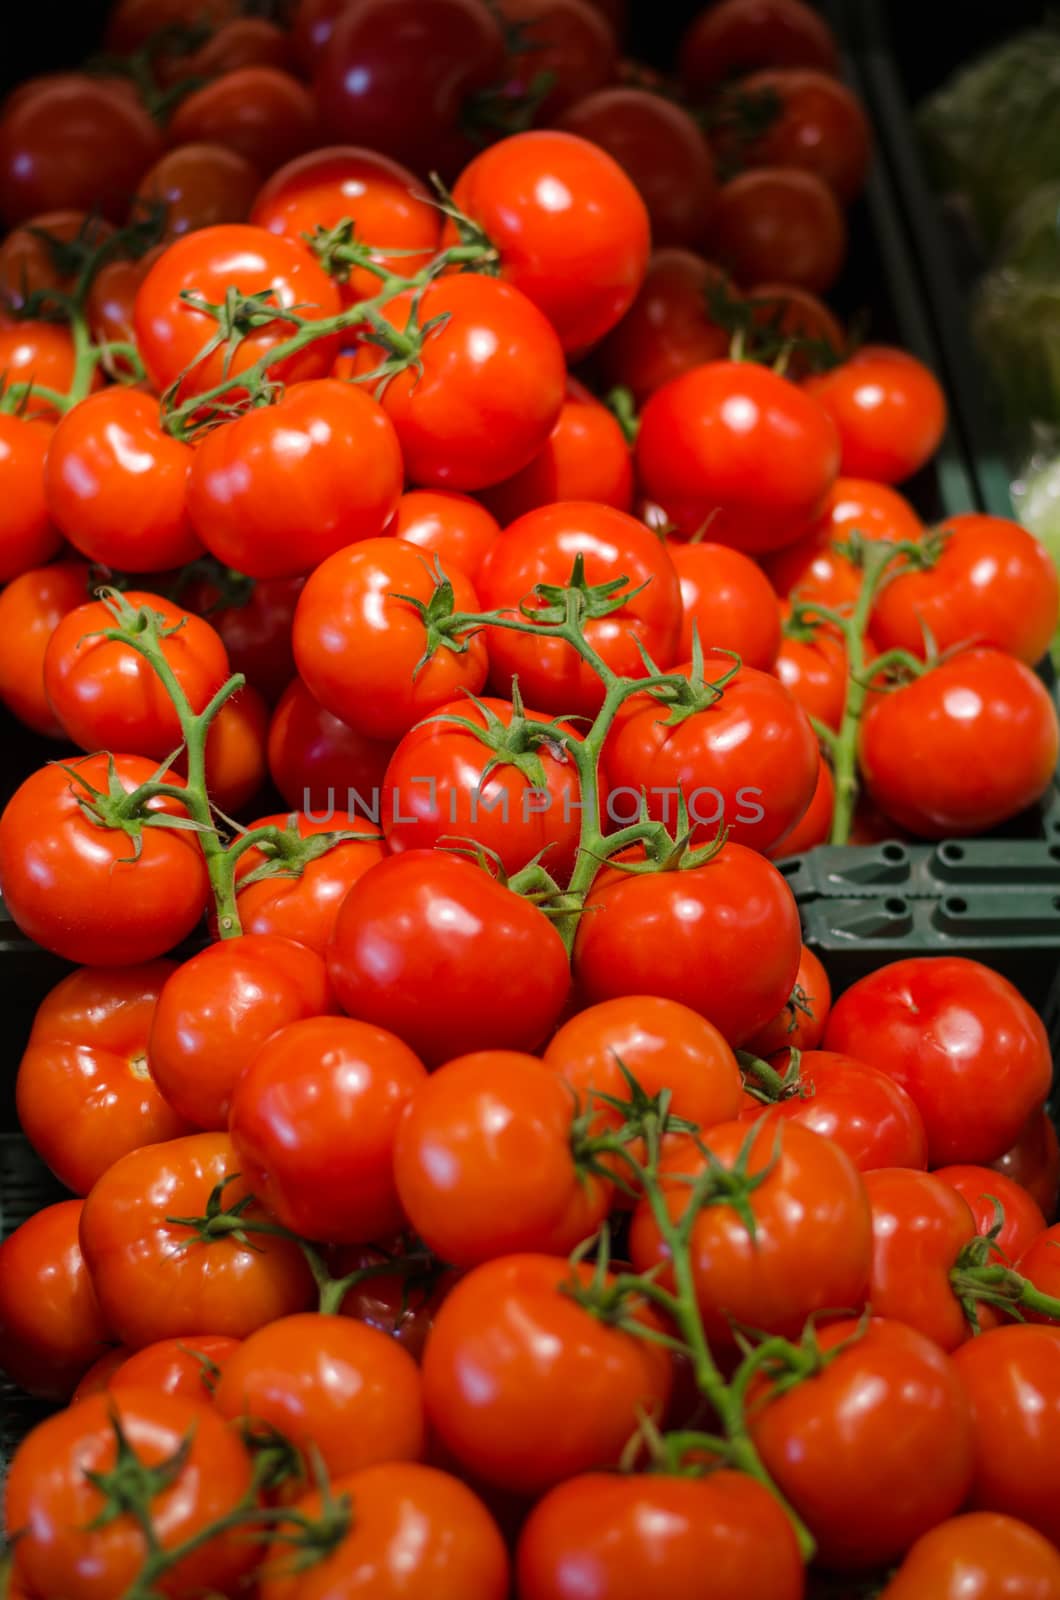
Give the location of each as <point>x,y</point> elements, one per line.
<point>1040,1263</point>
<point>960,1039</point>
<point>957,751</point>
<point>200,185</point>
<point>311,29</point>
<point>187,1367</point>
<point>815,825</point>
<point>572,231</point>
<point>567,39</point>
<point>109,304</point>
<point>1010,1376</point>
<point>131,23</point>
<point>737,440</point>
<point>815,670</point>
<point>158,1279</point>
<point>784,309</point>
<point>401,1303</point>
<point>30,261</point>
<point>255,626</point>
<point>84,1090</point>
<point>736,36</point>
<point>510,1354</point>
<point>780,224</point>
<point>97,1378</point>
<point>31,608</point>
<point>41,353</point>
<point>818,126</point>
<point>639,1535</point>
<point>359,638</point>
<point>242,42</point>
<point>319,764</point>
<point>303,906</point>
<point>813,566</point>
<point>236,766</point>
<point>729,601</point>
<point>585,457</point>
<point>668,329</point>
<point>979,1556</point>
<point>1034,1162</point>
<point>455,526</point>
<point>51,1325</point>
<point>800,1025</point>
<point>77,889</point>
<point>28,537</point>
<point>427,945</point>
<point>980,1187</point>
<point>263,114</point>
<point>541,548</point>
<point>884,1423</point>
<point>889,409</point>
<point>859,1108</point>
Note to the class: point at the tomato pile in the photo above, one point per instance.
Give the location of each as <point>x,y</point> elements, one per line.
<point>456,552</point>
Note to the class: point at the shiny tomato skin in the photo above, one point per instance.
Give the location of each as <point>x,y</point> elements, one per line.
<point>524,1387</point>
<point>453,525</point>
<point>802,316</point>
<point>624,1535</point>
<point>31,608</point>
<point>961,749</point>
<point>729,601</point>
<point>981,1555</point>
<point>304,907</point>
<point>74,887</point>
<point>814,671</point>
<point>885,1422</point>
<point>568,39</point>
<point>27,261</point>
<point>38,353</point>
<point>585,457</point>
<point>860,1109</point>
<point>235,752</point>
<point>51,1325</point>
<point>801,1023</point>
<point>1010,1376</point>
<point>815,824</point>
<point>97,1378</point>
<point>1040,1264</point>
<point>320,764</point>
<point>187,1367</point>
<point>201,185</point>
<point>980,1187</point>
<point>890,411</point>
<point>668,329</point>
<point>820,127</point>
<point>1034,1162</point>
<point>740,440</point>
<point>358,640</point>
<point>427,945</point>
<point>737,36</point>
<point>28,538</point>
<point>109,304</point>
<point>262,113</point>
<point>255,628</point>
<point>813,569</point>
<point>920,1225</point>
<point>399,1303</point>
<point>526,192</point>
<point>779,222</point>
<point>149,1285</point>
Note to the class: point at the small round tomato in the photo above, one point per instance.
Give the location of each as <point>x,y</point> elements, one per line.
<point>255,625</point>
<point>979,1556</point>
<point>859,1108</point>
<point>1011,1378</point>
<point>669,328</point>
<point>807,326</point>
<point>30,259</point>
<point>779,222</point>
<point>454,526</point>
<point>236,766</point>
<point>885,1422</point>
<point>567,40</point>
<point>302,905</point>
<point>1034,1162</point>
<point>38,353</point>
<point>77,888</point>
<point>889,409</point>
<point>1039,1263</point>
<point>801,1023</point>
<point>311,29</point>
<point>429,946</point>
<point>813,667</point>
<point>818,125</point>
<point>401,1302</point>
<point>964,747</point>
<point>321,765</point>
<point>736,36</point>
<point>131,23</point>
<point>28,536</point>
<point>188,1367</point>
<point>109,305</point>
<point>813,568</point>
<point>51,1325</point>
<point>200,186</point>
<point>729,601</point>
<point>158,1278</point>
<point>97,1378</point>
<point>585,457</point>
<point>31,608</point>
<point>261,112</point>
<point>815,824</point>
<point>242,42</point>
<point>1022,1216</point>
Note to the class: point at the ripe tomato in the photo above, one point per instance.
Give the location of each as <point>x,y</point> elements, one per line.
<point>722,938</point>
<point>818,126</point>
<point>150,1282</point>
<point>736,36</point>
<point>815,568</point>
<point>303,906</point>
<point>662,150</point>
<point>171,334</point>
<point>109,305</point>
<point>815,824</point>
<point>262,113</point>
<point>541,548</point>
<point>957,751</point>
<point>486,1161</point>
<point>511,1355</point>
<point>187,1367</point>
<point>456,527</point>
<point>641,1534</point>
<point>884,1424</point>
<point>401,1303</point>
<point>567,39</point>
<point>84,1090</point>
<point>429,946</point>
<point>1010,1376</point>
<point>200,185</point>
<point>784,309</point>
<point>218,1008</point>
<point>235,752</point>
<point>38,352</point>
<point>980,1187</point>
<point>97,1378</point>
<point>419,1534</point>
<point>1034,1162</point>
<point>736,439</point>
<point>585,457</point>
<point>242,42</point>
<point>860,1109</point>
<point>526,193</point>
<point>311,28</point>
<point>776,1274</point>
<point>321,765</point>
<point>779,223</point>
<point>360,634</point>
<point>31,260</point>
<point>76,888</point>
<point>131,23</point>
<point>51,1325</point>
<point>728,599</point>
<point>801,1023</point>
<point>1040,1263</point>
<point>815,670</point>
<point>255,625</point>
<point>669,328</point>
<point>31,608</point>
<point>28,537</point>
<point>993,583</point>
<point>889,409</point>
<point>978,1556</point>
<point>960,1039</point>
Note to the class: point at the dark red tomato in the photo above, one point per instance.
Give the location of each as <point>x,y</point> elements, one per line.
<point>729,601</point>
<point>359,638</point>
<point>818,126</point>
<point>311,29</point>
<point>860,1109</point>
<point>889,409</point>
<point>736,36</point>
<point>1040,1263</point>
<point>884,1422</point>
<point>572,231</point>
<point>109,304</point>
<point>132,22</point>
<point>38,353</point>
<point>510,1353</point>
<point>31,608</point>
<point>444,784</point>
<point>28,537</point>
<point>73,141</point>
<point>669,328</point>
<point>31,260</point>
<point>813,569</point>
<point>303,906</point>
<point>427,945</point>
<point>1034,1162</point>
<point>659,1534</point>
<point>116,484</point>
<point>387,204</point>
<point>960,1039</point>
<point>779,224</point>
<point>51,1326</point>
<point>662,149</point>
<point>815,824</point>
<point>394,75</point>
<point>1022,1216</point>
<point>218,1009</point>
<point>76,888</point>
<point>171,334</point>
<point>993,584</point>
<point>321,765</point>
<point>722,938</point>
<point>569,40</point>
<point>243,42</point>
<point>800,1025</point>
<point>262,113</point>
<point>401,1303</point>
<point>815,670</point>
<point>735,439</point>
<point>84,1090</point>
<point>541,548</point>
<point>200,186</point>
<point>188,1367</point>
<point>1011,1379</point>
<point>585,457</point>
<point>968,745</point>
<point>805,320</point>
<point>978,1556</point>
<point>255,628</point>
<point>486,391</point>
<point>454,526</point>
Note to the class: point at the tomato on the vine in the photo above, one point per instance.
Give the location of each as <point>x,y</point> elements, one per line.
<point>859,1108</point>
<point>813,568</point>
<point>669,328</point>
<point>801,1023</point>
<point>585,457</point>
<point>28,537</point>
<point>1033,1161</point>
<point>302,905</point>
<point>201,185</point>
<point>255,624</point>
<point>729,601</point>
<point>736,36</point>
<point>1020,1218</point>
<point>779,223</point>
<point>817,125</point>
<point>322,765</point>
<point>51,1325</point>
<point>815,824</point>
<point>979,1554</point>
<point>454,526</point>
<point>188,1367</point>
<point>1012,1379</point>
<point>38,353</point>
<point>561,51</point>
<point>31,608</point>
<point>261,112</point>
<point>889,409</point>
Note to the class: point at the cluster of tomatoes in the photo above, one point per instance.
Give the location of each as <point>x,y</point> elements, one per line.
<point>475,1191</point>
